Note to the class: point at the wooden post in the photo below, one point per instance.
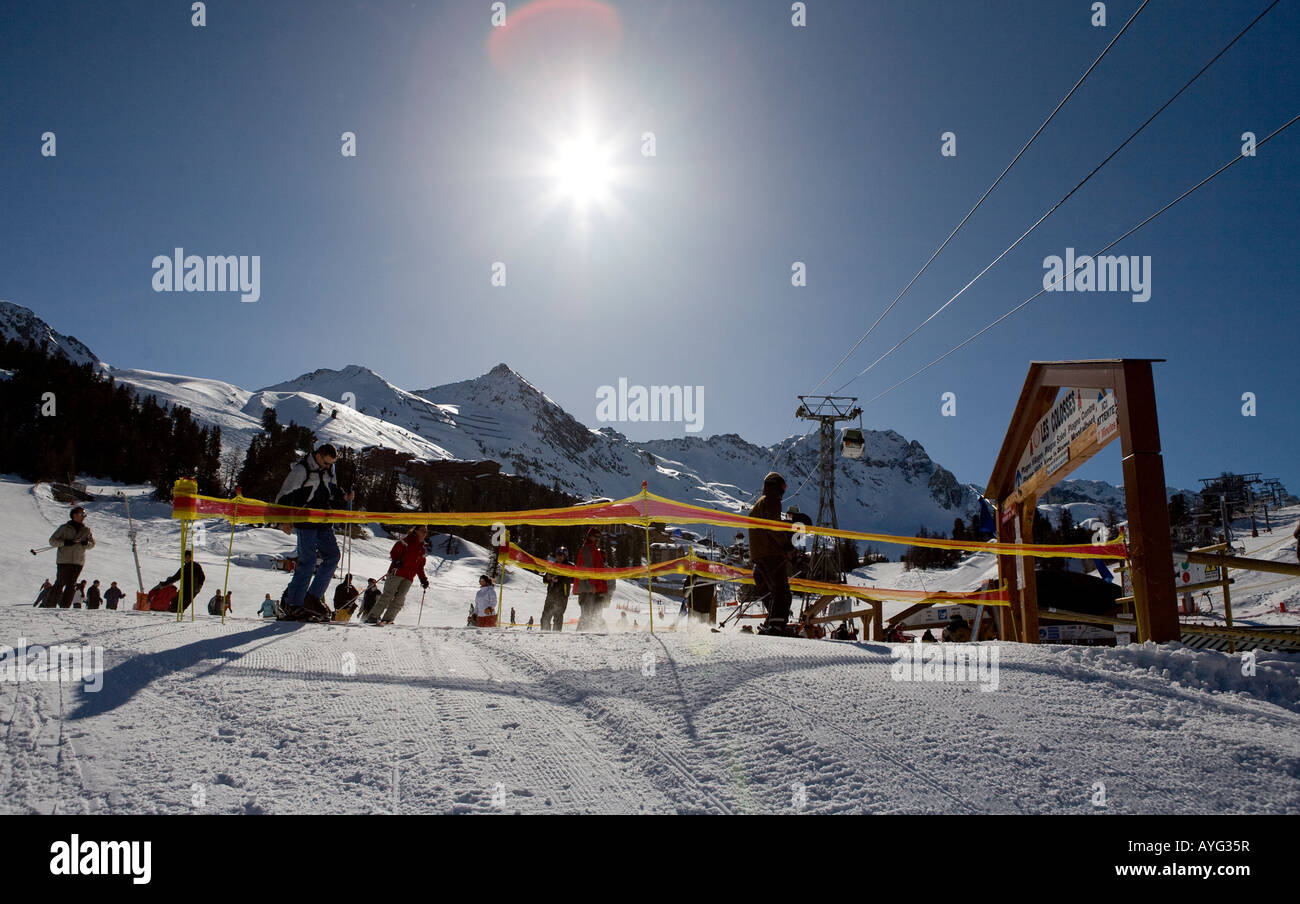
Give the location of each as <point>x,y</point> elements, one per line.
<point>1029,592</point>
<point>1155,599</point>
<point>1227,604</point>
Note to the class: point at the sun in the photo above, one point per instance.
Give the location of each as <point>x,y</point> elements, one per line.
<point>583,171</point>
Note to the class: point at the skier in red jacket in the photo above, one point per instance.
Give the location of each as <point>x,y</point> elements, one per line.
<point>591,594</point>
<point>408,565</point>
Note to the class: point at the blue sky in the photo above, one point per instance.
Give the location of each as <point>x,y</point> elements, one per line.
<point>774,144</point>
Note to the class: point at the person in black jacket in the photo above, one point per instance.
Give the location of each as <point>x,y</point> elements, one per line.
<point>311,484</point>
<point>369,598</point>
<point>557,594</point>
<point>771,551</point>
<point>191,578</point>
<point>345,594</point>
<point>93,596</point>
<point>112,595</point>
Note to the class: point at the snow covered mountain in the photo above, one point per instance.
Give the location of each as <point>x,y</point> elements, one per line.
<point>1095,499</point>
<point>895,487</point>
<point>18,322</point>
<point>500,415</point>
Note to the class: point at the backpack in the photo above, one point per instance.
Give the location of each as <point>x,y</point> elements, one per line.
<point>215,605</point>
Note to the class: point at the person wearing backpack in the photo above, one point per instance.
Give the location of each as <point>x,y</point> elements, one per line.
<point>311,483</point>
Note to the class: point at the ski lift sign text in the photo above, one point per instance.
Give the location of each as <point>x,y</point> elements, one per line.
<point>1075,412</point>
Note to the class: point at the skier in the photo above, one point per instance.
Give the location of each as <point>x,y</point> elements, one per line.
<point>112,595</point>
<point>93,596</point>
<point>72,539</point>
<point>591,594</point>
<point>485,602</point>
<point>369,598</point>
<point>214,604</point>
<point>44,593</point>
<point>311,484</point>
<point>512,616</point>
<point>408,565</point>
<point>185,593</point>
<point>268,608</point>
<point>557,594</point>
<point>771,551</point>
<point>79,599</point>
<point>529,626</point>
<point>345,597</point>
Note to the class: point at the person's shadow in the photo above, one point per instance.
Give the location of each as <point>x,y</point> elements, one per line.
<point>126,679</point>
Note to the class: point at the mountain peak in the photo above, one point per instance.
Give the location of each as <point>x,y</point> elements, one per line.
<point>22,324</point>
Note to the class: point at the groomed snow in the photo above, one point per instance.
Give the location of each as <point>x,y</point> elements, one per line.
<point>253,716</point>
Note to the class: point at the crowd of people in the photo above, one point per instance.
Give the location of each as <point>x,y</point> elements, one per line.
<point>312,483</point>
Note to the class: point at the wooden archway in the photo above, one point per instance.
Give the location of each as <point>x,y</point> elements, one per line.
<point>1150,549</point>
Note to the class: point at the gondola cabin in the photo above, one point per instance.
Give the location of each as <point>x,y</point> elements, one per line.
<point>852,445</point>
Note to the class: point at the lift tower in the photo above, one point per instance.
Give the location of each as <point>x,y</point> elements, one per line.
<point>827,411</point>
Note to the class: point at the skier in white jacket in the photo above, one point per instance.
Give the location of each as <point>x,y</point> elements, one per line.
<point>485,602</point>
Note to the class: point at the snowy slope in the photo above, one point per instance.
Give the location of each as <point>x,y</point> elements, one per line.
<point>459,720</point>
<point>238,413</point>
<point>1094,499</point>
<point>444,718</point>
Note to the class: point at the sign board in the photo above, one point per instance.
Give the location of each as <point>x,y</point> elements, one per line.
<point>937,616</point>
<point>1107,418</point>
<point>1087,413</point>
<point>1192,573</point>
<point>1073,633</point>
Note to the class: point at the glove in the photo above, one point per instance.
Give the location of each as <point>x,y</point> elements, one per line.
<point>85,542</point>
<point>424,583</point>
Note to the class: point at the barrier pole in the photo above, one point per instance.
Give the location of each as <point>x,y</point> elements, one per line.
<point>1227,603</point>
<point>184,529</point>
<point>501,563</point>
<point>230,548</point>
<point>649,578</point>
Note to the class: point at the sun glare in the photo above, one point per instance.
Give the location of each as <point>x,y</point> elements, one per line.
<point>582,171</point>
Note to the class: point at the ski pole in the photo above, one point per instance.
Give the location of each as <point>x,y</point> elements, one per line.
<point>422,593</point>
<point>37,552</point>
